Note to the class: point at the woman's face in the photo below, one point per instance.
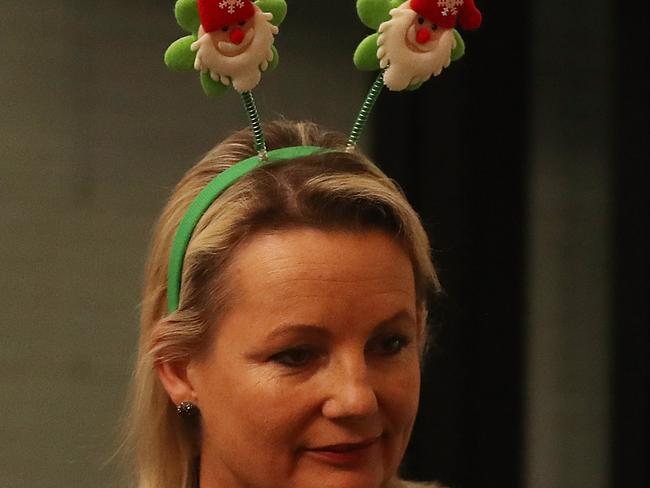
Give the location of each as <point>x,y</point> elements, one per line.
<point>313,376</point>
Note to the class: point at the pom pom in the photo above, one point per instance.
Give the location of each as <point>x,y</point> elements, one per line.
<point>237,36</point>
<point>423,36</point>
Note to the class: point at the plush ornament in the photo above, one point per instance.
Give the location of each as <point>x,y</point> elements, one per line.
<point>411,53</point>
<point>408,48</point>
<point>237,54</point>
<point>412,49</point>
<point>230,41</point>
<point>444,13</point>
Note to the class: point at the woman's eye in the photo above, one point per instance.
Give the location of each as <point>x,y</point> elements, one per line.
<point>294,358</point>
<point>391,345</point>
<point>420,20</point>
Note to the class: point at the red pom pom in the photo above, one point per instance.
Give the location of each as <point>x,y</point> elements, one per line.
<point>423,36</point>
<point>237,35</point>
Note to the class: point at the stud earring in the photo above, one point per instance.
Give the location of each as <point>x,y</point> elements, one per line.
<point>187,410</point>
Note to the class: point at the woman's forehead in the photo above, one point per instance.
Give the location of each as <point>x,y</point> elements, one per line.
<point>311,275</point>
<point>306,255</point>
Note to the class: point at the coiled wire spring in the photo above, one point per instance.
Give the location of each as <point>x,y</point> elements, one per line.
<point>256,125</point>
<point>366,108</point>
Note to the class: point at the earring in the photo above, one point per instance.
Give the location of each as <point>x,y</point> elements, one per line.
<point>187,410</point>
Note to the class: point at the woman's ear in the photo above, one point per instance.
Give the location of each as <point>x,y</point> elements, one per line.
<point>174,378</point>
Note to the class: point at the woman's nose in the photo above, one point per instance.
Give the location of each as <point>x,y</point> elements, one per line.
<point>351,394</point>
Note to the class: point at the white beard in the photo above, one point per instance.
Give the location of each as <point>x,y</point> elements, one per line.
<point>243,70</point>
<point>406,66</point>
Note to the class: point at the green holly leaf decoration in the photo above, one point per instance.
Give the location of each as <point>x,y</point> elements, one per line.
<point>212,88</point>
<point>415,86</point>
<point>274,62</point>
<point>365,56</point>
<point>187,15</point>
<point>179,56</point>
<point>276,7</point>
<point>459,51</point>
<point>374,12</point>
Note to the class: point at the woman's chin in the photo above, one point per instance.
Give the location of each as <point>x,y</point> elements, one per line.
<point>342,476</point>
<point>343,480</point>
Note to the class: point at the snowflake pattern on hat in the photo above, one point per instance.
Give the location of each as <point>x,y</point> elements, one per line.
<point>231,5</point>
<point>450,7</point>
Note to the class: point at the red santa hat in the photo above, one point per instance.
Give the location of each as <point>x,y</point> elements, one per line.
<point>217,14</point>
<point>444,13</point>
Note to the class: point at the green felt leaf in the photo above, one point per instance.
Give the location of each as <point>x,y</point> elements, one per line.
<point>179,56</point>
<point>212,88</point>
<point>274,62</point>
<point>414,87</point>
<point>459,51</point>
<point>365,56</point>
<point>187,15</point>
<point>373,12</point>
<point>277,7</point>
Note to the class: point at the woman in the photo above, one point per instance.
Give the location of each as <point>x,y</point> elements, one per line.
<point>294,357</point>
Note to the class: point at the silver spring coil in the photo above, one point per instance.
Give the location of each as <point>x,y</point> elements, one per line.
<point>255,124</point>
<point>366,108</point>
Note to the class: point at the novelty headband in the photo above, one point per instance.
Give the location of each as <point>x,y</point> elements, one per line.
<point>231,43</point>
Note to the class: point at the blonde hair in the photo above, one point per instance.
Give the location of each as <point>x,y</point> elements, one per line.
<point>332,190</point>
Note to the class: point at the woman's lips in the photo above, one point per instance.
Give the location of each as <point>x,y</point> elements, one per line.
<point>344,454</point>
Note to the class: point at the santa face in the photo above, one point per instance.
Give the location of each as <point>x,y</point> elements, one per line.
<point>237,54</point>
<point>422,36</point>
<point>412,49</point>
<point>232,40</point>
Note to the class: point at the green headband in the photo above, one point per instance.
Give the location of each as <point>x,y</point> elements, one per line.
<point>203,201</point>
<point>212,25</point>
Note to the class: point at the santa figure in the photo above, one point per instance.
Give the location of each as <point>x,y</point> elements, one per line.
<point>417,42</point>
<point>234,42</point>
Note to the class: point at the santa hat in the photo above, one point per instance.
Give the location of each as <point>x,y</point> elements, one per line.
<point>444,13</point>
<point>217,14</point>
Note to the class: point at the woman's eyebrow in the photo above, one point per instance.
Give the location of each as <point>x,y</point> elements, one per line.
<point>402,316</point>
<point>313,330</point>
<point>287,330</point>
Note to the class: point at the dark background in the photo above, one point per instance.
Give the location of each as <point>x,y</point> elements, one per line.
<point>461,148</point>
